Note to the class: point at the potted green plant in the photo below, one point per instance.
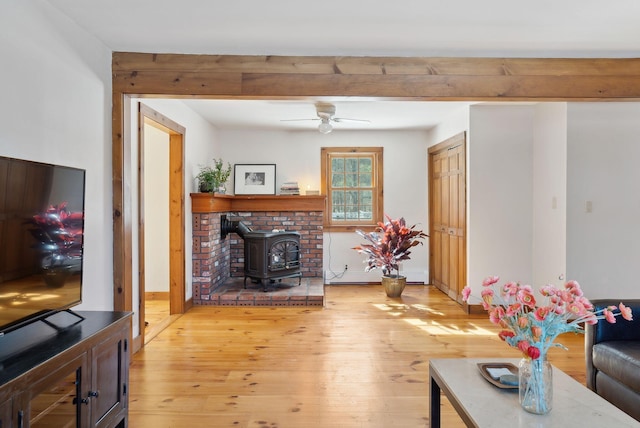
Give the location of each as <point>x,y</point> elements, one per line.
<point>387,246</point>
<point>212,178</point>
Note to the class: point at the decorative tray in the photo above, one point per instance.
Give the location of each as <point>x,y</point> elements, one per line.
<point>498,367</point>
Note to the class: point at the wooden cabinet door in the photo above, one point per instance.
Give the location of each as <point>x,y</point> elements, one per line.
<point>55,399</point>
<point>109,380</point>
<point>447,201</point>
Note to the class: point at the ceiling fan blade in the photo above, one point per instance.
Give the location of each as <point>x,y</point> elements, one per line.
<point>296,120</point>
<point>346,119</point>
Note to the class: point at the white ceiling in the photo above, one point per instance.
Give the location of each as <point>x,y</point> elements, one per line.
<point>278,115</point>
<point>504,28</point>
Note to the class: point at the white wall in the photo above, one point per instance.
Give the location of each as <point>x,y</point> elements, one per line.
<point>603,246</point>
<point>549,194</point>
<point>500,193</point>
<point>536,134</point>
<point>297,158</point>
<point>295,153</point>
<point>156,209</point>
<point>580,154</point>
<point>451,126</point>
<point>55,107</point>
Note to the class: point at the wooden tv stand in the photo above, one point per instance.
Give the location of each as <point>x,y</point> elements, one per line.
<point>67,371</point>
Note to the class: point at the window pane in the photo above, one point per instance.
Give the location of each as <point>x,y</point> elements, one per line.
<point>366,197</point>
<point>365,165</point>
<point>352,197</point>
<point>366,212</point>
<point>352,212</point>
<point>337,180</point>
<point>351,180</point>
<point>365,180</point>
<point>351,165</point>
<point>338,197</point>
<point>337,165</point>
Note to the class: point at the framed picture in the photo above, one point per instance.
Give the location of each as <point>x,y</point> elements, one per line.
<point>254,179</point>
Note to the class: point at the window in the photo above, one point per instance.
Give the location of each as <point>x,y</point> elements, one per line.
<point>352,181</point>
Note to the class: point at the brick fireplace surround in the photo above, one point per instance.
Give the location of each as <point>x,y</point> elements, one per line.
<point>219,264</point>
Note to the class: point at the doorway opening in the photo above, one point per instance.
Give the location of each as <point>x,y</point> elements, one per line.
<point>161,223</point>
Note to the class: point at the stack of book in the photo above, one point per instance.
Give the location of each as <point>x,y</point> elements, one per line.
<point>290,188</point>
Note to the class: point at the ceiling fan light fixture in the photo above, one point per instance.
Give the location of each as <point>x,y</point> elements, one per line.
<point>325,127</point>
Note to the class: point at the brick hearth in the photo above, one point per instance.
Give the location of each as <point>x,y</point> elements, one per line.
<point>218,265</point>
<point>280,293</point>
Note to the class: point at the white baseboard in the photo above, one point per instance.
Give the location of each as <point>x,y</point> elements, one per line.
<point>420,277</point>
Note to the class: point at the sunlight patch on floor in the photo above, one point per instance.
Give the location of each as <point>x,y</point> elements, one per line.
<point>398,308</point>
<point>432,327</point>
<point>436,328</point>
<point>395,309</point>
<point>426,308</point>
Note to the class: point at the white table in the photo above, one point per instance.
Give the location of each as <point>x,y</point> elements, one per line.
<point>480,404</point>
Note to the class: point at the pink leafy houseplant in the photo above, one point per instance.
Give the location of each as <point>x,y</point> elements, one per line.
<point>389,244</point>
<point>533,328</point>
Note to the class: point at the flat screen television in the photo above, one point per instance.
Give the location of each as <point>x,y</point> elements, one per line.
<point>41,240</point>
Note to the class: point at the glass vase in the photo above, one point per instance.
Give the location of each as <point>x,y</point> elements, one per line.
<point>535,385</point>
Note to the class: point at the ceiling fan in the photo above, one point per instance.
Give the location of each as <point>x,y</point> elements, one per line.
<point>326,112</point>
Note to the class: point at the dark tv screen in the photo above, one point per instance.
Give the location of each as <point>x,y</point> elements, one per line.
<point>41,240</point>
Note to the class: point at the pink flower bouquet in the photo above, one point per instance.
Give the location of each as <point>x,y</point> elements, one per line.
<point>532,327</point>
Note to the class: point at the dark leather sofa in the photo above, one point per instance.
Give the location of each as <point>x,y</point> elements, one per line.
<point>612,353</point>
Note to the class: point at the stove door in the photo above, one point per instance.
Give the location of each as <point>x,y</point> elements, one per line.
<point>284,255</point>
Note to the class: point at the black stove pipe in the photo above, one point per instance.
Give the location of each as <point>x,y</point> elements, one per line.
<point>232,226</point>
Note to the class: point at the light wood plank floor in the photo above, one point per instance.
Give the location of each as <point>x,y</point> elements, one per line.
<point>361,361</point>
<point>156,311</point>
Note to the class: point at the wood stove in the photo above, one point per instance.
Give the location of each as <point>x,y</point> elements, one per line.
<point>268,255</point>
<point>271,255</point>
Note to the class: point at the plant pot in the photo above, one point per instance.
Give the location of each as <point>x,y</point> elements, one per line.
<point>205,188</point>
<point>394,285</point>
